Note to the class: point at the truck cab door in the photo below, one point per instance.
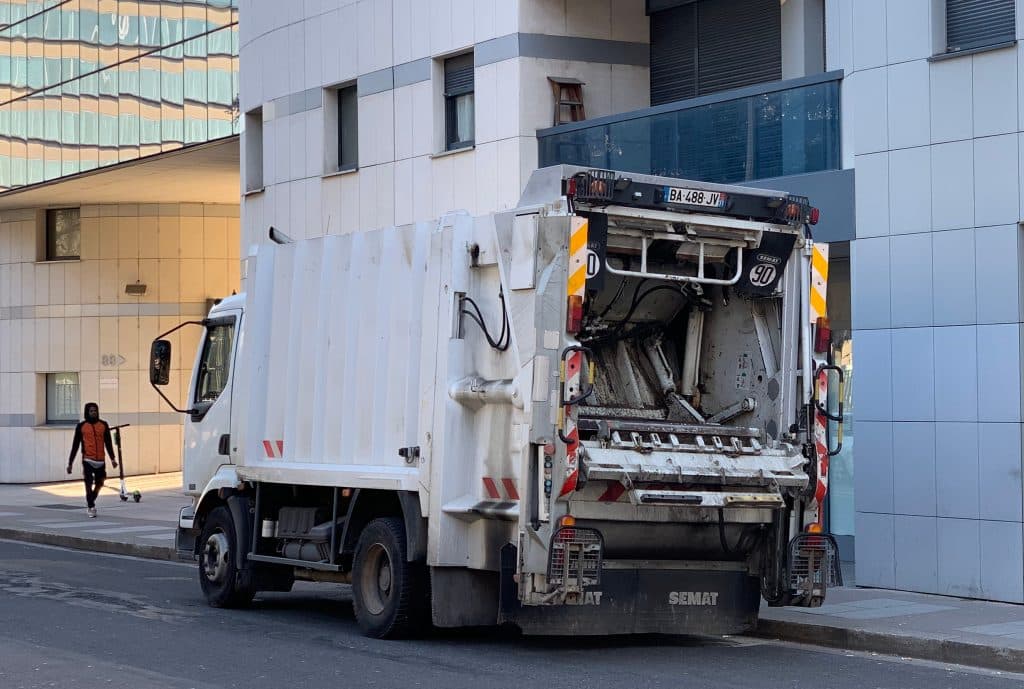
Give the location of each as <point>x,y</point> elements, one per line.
<point>208,427</point>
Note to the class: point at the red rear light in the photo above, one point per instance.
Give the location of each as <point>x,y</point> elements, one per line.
<point>815,215</point>
<point>823,337</point>
<point>570,187</point>
<point>574,314</point>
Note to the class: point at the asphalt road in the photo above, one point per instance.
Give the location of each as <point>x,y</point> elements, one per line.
<point>90,621</point>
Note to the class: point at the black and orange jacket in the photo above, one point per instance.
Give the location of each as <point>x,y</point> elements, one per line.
<point>93,437</point>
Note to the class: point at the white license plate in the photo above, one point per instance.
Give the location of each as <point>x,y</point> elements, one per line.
<point>695,197</point>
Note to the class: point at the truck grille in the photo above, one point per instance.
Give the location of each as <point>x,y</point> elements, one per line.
<point>575,558</point>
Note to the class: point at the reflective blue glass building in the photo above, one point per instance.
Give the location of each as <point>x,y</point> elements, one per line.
<point>86,84</point>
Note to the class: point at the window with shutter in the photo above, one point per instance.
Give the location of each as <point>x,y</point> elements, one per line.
<point>979,23</point>
<point>460,126</point>
<point>713,45</point>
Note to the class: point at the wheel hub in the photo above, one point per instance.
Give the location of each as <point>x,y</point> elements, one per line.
<point>376,579</point>
<point>215,557</point>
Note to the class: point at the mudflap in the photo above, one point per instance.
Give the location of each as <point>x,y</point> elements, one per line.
<point>185,544</point>
<point>633,601</point>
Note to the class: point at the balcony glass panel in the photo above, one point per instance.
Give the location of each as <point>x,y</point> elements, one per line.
<point>777,132</point>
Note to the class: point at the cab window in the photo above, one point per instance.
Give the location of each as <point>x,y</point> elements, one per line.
<point>215,364</point>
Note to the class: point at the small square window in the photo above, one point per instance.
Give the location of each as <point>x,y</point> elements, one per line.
<point>62,398</point>
<point>348,128</point>
<point>459,106</point>
<point>63,234</point>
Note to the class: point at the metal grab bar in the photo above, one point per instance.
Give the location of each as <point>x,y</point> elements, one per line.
<point>698,278</point>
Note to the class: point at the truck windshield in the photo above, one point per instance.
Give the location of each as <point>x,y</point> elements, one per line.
<point>216,362</point>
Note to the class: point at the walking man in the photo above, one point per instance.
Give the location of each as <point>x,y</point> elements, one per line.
<point>93,436</point>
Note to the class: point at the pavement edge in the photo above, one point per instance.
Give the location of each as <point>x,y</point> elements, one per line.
<point>152,552</point>
<point>920,648</point>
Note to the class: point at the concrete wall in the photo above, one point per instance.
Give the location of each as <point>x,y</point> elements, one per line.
<point>937,308</point>
<point>393,50</point>
<point>74,316</point>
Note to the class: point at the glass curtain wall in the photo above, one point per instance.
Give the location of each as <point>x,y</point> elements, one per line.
<point>90,83</point>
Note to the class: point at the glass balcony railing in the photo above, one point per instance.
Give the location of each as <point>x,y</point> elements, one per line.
<point>786,128</point>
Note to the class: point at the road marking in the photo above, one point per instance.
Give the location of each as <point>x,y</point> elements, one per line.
<point>129,529</point>
<point>10,514</point>
<point>75,525</point>
<point>166,536</point>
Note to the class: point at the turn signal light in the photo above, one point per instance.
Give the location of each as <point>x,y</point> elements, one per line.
<point>567,520</point>
<point>574,314</point>
<point>814,528</point>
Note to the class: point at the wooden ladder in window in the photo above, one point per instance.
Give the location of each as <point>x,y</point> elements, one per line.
<point>568,94</point>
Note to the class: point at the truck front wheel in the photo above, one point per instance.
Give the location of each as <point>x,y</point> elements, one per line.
<point>222,583</point>
<point>390,595</point>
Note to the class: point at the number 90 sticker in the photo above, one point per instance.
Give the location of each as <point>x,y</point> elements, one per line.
<point>762,275</point>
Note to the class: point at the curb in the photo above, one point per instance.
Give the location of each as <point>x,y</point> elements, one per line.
<point>920,648</point>
<point>152,552</point>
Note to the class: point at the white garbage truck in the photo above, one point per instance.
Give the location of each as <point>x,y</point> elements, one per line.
<point>595,413</point>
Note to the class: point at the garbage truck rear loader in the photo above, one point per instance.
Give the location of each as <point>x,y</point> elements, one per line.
<point>599,412</point>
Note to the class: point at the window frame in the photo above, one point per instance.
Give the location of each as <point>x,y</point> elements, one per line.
<point>202,405</point>
<point>253,140</point>
<point>453,93</point>
<point>347,163</point>
<point>73,416</point>
<point>49,239</point>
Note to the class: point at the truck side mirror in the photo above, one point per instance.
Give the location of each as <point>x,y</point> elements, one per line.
<point>160,362</point>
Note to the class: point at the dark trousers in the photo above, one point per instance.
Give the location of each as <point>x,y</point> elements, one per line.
<point>94,479</point>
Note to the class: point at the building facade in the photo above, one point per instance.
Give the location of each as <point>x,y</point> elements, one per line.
<point>932,92</point>
<point>899,118</point>
<point>118,214</point>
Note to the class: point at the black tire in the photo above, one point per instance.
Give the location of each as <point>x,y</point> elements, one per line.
<point>222,583</point>
<point>391,596</point>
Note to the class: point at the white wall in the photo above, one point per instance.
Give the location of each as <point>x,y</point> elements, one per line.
<point>401,177</point>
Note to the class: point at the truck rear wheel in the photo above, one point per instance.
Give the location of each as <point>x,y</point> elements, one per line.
<point>222,583</point>
<point>389,594</point>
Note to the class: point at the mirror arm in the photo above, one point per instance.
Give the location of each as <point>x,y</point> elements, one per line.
<point>179,327</point>
<point>172,405</point>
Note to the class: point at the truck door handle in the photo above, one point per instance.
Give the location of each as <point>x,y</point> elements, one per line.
<point>224,447</point>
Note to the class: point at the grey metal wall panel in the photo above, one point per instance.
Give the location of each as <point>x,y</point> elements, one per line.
<point>831,191</point>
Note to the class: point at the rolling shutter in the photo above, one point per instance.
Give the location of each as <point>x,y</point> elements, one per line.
<point>740,43</point>
<point>977,23</point>
<point>674,55</point>
<point>714,45</point>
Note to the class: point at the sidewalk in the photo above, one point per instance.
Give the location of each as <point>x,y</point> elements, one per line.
<point>935,628</point>
<point>54,514</point>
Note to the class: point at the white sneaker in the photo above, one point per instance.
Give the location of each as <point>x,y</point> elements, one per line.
<point>92,512</point>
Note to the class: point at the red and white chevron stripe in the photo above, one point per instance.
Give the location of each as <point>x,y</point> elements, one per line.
<point>508,485</point>
<point>821,444</point>
<point>273,449</point>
